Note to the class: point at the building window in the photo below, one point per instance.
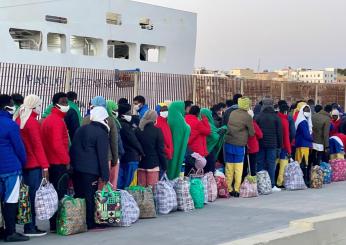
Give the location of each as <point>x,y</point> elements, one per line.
<point>56,19</point>
<point>120,50</point>
<point>113,18</point>
<point>56,43</point>
<point>152,53</point>
<point>27,39</point>
<point>86,46</point>
<point>145,23</point>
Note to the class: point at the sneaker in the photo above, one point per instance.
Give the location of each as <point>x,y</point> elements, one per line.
<point>35,233</point>
<point>16,237</point>
<point>231,194</point>
<point>275,189</point>
<point>236,194</point>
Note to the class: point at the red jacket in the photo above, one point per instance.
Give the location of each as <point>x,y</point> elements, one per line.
<point>200,129</point>
<point>35,155</point>
<point>342,137</point>
<point>55,138</point>
<point>335,125</point>
<point>252,143</point>
<point>167,136</point>
<point>286,144</point>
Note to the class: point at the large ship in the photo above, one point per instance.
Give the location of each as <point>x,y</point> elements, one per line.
<point>98,34</point>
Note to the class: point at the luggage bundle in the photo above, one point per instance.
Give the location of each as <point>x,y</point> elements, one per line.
<point>129,209</point>
<point>317,177</point>
<point>327,172</point>
<point>249,187</point>
<point>107,206</point>
<point>211,186</point>
<point>24,205</point>
<point>264,184</point>
<point>46,201</point>
<point>165,196</point>
<point>338,170</point>
<point>182,190</point>
<point>222,187</point>
<point>145,200</point>
<point>293,177</point>
<point>200,175</point>
<point>197,192</point>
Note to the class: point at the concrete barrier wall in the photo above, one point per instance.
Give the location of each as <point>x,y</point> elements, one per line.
<point>327,229</point>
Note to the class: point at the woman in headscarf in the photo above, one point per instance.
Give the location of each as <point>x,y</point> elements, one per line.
<point>215,140</point>
<point>37,163</point>
<point>154,159</point>
<point>303,141</point>
<point>180,134</point>
<point>335,122</point>
<point>161,123</point>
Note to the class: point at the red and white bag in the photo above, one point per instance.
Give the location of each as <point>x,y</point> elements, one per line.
<point>211,186</point>
<point>222,187</point>
<point>338,170</point>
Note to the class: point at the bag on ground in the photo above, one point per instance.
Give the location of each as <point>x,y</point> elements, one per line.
<point>249,187</point>
<point>327,172</point>
<point>107,206</point>
<point>222,187</point>
<point>46,201</point>
<point>293,177</point>
<point>24,205</point>
<point>317,177</point>
<point>338,170</point>
<point>197,192</point>
<point>211,187</point>
<point>145,200</point>
<point>182,189</point>
<point>264,185</point>
<point>165,196</point>
<point>129,209</point>
<point>71,217</point>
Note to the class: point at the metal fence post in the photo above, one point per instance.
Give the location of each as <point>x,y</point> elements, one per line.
<point>68,80</point>
<point>242,86</point>
<point>194,88</point>
<point>282,92</point>
<point>316,94</point>
<point>136,83</point>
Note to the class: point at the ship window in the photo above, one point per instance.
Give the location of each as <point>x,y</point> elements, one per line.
<point>113,18</point>
<point>56,43</point>
<point>121,50</point>
<point>56,19</point>
<point>152,53</point>
<point>27,39</point>
<point>146,24</point>
<point>86,46</point>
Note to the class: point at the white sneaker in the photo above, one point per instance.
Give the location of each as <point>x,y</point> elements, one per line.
<point>275,189</point>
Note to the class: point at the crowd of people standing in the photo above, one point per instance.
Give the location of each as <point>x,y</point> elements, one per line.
<point>130,144</point>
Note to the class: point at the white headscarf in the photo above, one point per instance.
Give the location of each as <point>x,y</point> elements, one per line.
<point>301,117</point>
<point>30,102</point>
<point>99,114</point>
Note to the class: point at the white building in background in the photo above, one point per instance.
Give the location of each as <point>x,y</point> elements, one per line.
<point>328,75</point>
<point>101,34</point>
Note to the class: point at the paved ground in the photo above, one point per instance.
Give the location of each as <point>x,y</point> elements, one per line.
<point>218,222</point>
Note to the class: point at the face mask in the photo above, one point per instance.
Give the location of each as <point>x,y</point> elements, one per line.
<point>127,118</point>
<point>10,109</point>
<point>307,114</point>
<point>137,107</point>
<point>63,108</point>
<point>115,114</point>
<point>164,114</point>
<point>38,110</point>
<point>250,113</point>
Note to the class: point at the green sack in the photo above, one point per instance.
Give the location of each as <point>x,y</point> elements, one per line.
<point>107,206</point>
<point>71,217</point>
<point>24,205</point>
<point>197,192</point>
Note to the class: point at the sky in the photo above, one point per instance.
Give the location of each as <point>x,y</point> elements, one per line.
<point>272,33</point>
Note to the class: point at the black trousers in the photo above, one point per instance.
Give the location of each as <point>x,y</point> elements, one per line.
<point>253,165</point>
<point>9,212</point>
<point>58,176</point>
<point>316,157</point>
<point>85,186</point>
<point>211,160</point>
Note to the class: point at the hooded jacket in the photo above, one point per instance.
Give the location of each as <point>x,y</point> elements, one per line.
<point>239,128</point>
<point>253,141</point>
<point>286,143</point>
<point>167,136</point>
<point>55,138</point>
<point>335,126</point>
<point>89,150</point>
<point>200,129</point>
<point>31,135</point>
<point>12,151</point>
<point>321,128</point>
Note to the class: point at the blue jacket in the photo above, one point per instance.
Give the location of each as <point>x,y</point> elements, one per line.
<point>143,110</point>
<point>303,136</point>
<point>12,151</point>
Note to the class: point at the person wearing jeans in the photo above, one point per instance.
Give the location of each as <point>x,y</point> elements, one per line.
<point>266,160</point>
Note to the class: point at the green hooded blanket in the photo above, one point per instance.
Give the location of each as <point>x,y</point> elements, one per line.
<point>214,140</point>
<point>180,134</point>
<point>112,106</point>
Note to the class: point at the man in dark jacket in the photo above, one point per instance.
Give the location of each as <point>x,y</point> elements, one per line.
<point>12,160</point>
<point>73,117</point>
<point>228,112</point>
<point>270,124</point>
<point>133,149</point>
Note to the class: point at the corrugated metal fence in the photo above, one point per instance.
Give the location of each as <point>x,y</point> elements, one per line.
<point>205,91</point>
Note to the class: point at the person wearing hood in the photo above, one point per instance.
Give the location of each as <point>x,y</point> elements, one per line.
<point>56,146</point>
<point>161,123</point>
<point>303,134</point>
<point>240,128</point>
<point>154,159</point>
<point>12,159</point>
<point>217,113</point>
<point>36,165</point>
<point>113,154</point>
<point>286,150</point>
<point>133,149</point>
<point>335,122</point>
<point>270,124</point>
<point>89,159</point>
<point>337,145</point>
<point>234,107</point>
<point>215,140</point>
<point>180,135</point>
<point>139,106</point>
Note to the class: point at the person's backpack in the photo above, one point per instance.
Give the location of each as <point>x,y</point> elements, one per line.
<point>293,177</point>
<point>264,184</point>
<point>317,177</point>
<point>327,172</point>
